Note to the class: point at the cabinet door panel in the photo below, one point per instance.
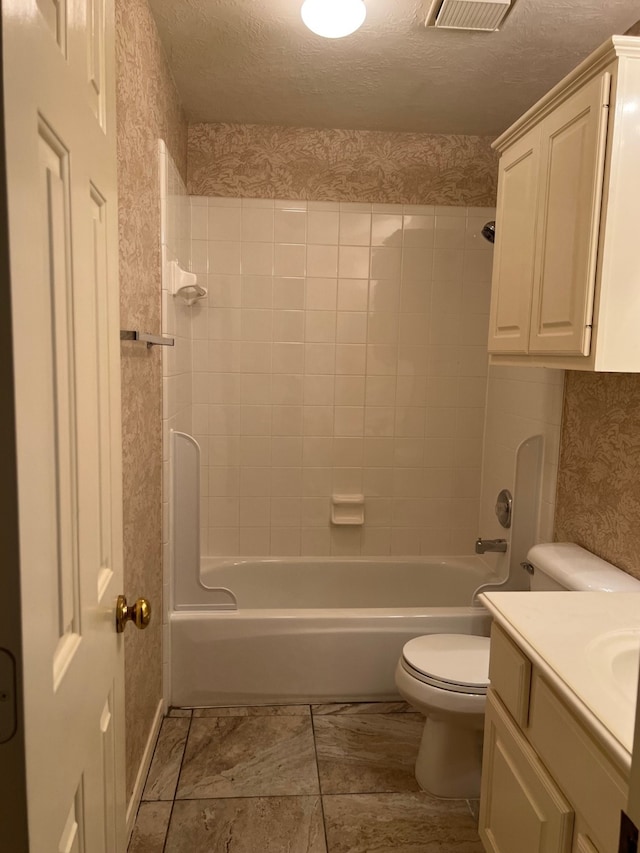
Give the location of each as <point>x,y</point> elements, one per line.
<point>587,775</point>
<point>510,675</point>
<point>514,250</point>
<point>573,146</point>
<point>520,808</point>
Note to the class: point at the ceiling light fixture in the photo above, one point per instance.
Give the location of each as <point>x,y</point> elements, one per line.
<point>333,19</point>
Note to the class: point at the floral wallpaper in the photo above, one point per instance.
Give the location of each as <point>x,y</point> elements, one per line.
<point>598,500</point>
<point>147,107</point>
<point>262,161</point>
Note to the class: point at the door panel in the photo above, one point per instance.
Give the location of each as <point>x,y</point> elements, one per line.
<point>56,362</point>
<point>515,242</point>
<point>521,808</point>
<point>572,151</point>
<point>61,168</point>
<point>54,13</point>
<point>73,838</point>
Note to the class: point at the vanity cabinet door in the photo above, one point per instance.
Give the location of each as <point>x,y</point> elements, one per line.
<point>587,775</point>
<point>572,146</point>
<point>521,809</point>
<point>513,263</point>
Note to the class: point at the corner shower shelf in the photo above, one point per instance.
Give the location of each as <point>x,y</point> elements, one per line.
<point>184,285</point>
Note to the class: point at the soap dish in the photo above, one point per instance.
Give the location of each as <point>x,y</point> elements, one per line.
<point>347,509</point>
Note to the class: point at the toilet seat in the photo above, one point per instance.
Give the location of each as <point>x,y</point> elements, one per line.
<point>458,663</point>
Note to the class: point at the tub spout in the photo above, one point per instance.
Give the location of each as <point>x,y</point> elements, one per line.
<point>484,545</point>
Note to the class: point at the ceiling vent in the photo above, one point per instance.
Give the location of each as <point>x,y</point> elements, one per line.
<point>484,15</point>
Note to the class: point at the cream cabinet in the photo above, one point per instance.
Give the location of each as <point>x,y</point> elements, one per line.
<point>566,271</point>
<point>523,810</point>
<point>547,784</point>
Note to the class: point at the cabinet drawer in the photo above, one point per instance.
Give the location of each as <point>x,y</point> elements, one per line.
<point>510,675</point>
<point>590,780</point>
<point>521,809</point>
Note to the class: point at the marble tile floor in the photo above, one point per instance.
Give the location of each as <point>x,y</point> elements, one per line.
<point>295,779</point>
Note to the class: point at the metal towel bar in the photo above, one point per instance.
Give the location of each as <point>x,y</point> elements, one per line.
<point>150,340</point>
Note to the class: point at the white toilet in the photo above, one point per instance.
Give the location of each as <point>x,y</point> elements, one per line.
<point>445,676</point>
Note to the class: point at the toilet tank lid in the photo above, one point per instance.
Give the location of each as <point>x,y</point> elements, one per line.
<point>575,568</point>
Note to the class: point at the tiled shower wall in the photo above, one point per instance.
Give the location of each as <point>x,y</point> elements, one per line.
<point>341,350</point>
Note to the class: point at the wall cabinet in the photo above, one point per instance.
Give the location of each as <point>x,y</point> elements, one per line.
<point>547,785</point>
<point>566,272</point>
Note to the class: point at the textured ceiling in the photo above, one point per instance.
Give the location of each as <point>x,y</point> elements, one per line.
<point>254,61</point>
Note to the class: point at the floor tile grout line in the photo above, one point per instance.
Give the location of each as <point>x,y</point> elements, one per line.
<point>384,793</point>
<point>173,802</point>
<point>244,797</point>
<point>160,799</point>
<point>320,797</point>
<point>474,815</point>
<point>146,778</point>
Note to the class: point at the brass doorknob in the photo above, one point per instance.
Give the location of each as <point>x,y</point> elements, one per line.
<point>139,613</point>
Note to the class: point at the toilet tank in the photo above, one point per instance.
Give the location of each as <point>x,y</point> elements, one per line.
<point>565,566</point>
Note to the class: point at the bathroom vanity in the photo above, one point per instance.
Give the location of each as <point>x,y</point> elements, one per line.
<point>559,721</point>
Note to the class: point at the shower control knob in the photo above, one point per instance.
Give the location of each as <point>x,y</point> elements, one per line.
<point>504,508</point>
<point>139,613</point>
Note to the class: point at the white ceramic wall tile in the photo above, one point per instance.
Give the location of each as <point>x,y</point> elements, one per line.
<point>322,227</point>
<point>224,257</point>
<point>257,292</point>
<point>289,259</point>
<point>320,358</point>
<point>355,228</point>
<point>257,225</point>
<point>288,293</point>
<point>290,226</point>
<point>288,326</point>
<point>353,261</point>
<point>256,258</point>
<point>386,229</point>
<point>223,224</point>
<point>322,261</point>
<point>349,389</point>
<point>418,230</point>
<point>386,262</point>
<point>353,294</point>
<point>321,294</point>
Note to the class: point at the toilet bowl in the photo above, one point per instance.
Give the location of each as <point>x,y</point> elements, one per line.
<point>446,676</point>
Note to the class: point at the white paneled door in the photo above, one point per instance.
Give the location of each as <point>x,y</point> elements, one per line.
<point>61,163</point>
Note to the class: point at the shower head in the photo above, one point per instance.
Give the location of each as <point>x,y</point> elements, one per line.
<point>489,231</point>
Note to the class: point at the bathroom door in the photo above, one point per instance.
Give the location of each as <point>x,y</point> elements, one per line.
<point>58,76</point>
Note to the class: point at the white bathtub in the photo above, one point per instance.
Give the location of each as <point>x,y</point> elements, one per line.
<point>314,630</point>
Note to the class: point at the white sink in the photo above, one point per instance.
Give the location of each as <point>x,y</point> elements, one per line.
<point>615,658</point>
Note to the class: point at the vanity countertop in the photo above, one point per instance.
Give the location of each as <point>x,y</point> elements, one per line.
<point>585,643</point>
